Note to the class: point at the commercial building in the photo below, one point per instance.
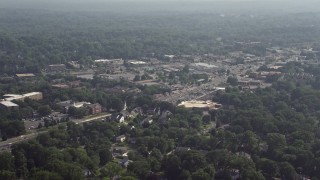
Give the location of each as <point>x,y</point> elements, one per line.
<point>136,63</point>
<point>94,108</point>
<point>57,67</point>
<point>110,61</point>
<point>8,105</point>
<point>25,75</point>
<point>200,104</point>
<point>17,97</point>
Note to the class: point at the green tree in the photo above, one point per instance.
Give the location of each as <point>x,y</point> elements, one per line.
<point>105,156</point>
<point>252,174</point>
<point>200,175</point>
<point>287,171</point>
<point>140,168</point>
<point>110,170</point>
<point>276,140</point>
<point>20,162</point>
<point>185,174</point>
<point>136,78</point>
<point>172,165</point>
<point>7,175</point>
<point>46,175</point>
<point>269,167</point>
<point>44,110</point>
<point>193,160</point>
<point>7,162</point>
<point>233,81</point>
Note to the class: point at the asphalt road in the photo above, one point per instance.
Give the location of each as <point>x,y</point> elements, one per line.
<point>6,145</point>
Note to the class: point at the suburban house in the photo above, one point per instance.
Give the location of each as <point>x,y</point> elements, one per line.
<point>121,138</point>
<point>120,152</point>
<point>119,118</point>
<point>125,114</point>
<point>136,111</point>
<point>146,121</point>
<point>165,114</point>
<point>125,162</point>
<point>182,149</point>
<point>153,111</point>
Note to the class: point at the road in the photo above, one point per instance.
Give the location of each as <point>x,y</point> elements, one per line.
<point>5,145</point>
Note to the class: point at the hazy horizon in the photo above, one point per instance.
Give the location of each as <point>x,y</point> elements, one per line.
<point>166,5</point>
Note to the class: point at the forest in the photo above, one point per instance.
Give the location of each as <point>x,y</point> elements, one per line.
<point>259,134</point>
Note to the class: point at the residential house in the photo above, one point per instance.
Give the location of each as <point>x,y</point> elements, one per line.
<point>154,111</point>
<point>146,121</point>
<point>135,112</point>
<point>121,138</point>
<point>125,162</point>
<point>243,154</point>
<point>182,149</point>
<point>120,152</point>
<point>165,114</point>
<point>125,114</point>
<point>74,64</point>
<point>119,118</point>
<point>235,174</point>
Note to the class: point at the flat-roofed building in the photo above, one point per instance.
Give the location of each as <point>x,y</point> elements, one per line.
<point>57,67</point>
<point>11,97</point>
<point>200,104</point>
<point>136,63</point>
<point>17,97</point>
<point>110,61</point>
<point>8,105</point>
<point>26,75</point>
<point>34,95</point>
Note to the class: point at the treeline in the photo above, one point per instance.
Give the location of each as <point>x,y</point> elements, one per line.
<point>31,40</point>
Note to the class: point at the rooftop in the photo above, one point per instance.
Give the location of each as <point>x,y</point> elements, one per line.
<point>31,94</point>
<point>199,104</point>
<point>25,75</point>
<point>56,65</point>
<point>205,65</point>
<point>9,104</point>
<point>137,62</point>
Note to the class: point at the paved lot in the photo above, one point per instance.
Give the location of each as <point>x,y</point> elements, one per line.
<point>93,118</point>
